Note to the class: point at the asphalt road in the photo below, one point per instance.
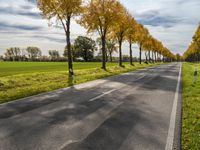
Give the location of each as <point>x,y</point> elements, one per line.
<point>131,111</point>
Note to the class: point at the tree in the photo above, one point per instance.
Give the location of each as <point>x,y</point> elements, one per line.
<point>100,16</point>
<point>140,36</point>
<point>1,58</point>
<point>178,57</point>
<point>111,48</point>
<point>120,28</point>
<point>130,35</point>
<point>13,53</point>
<point>33,53</point>
<point>54,54</point>
<point>63,11</point>
<point>85,48</point>
<point>193,51</point>
<point>74,53</point>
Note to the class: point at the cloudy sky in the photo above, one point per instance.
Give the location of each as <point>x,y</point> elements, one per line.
<point>171,21</point>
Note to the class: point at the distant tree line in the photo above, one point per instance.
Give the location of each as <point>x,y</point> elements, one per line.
<point>83,49</point>
<point>29,54</point>
<point>17,54</point>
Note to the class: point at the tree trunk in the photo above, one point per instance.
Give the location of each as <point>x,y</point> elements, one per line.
<point>152,57</point>
<point>146,57</point>
<point>149,56</point>
<point>106,56</point>
<point>131,54</point>
<point>111,56</point>
<point>140,54</point>
<point>85,56</point>
<point>70,65</point>
<point>103,39</point>
<point>155,56</point>
<point>120,53</point>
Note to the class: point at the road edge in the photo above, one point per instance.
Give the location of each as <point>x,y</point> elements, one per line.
<point>174,132</point>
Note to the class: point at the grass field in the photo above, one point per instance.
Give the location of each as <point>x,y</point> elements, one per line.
<point>191,108</point>
<point>13,68</point>
<point>22,79</point>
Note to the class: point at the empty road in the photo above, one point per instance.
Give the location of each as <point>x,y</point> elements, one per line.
<point>138,110</point>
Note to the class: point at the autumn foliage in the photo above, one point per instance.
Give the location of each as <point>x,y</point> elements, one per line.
<point>193,52</point>
<point>111,20</point>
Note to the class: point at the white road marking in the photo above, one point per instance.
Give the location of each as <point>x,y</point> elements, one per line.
<point>140,77</point>
<point>95,98</point>
<point>170,137</point>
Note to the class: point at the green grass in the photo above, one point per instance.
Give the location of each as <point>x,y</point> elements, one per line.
<point>191,108</point>
<point>22,79</point>
<point>13,68</point>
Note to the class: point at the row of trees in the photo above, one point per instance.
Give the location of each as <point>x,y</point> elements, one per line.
<point>192,54</point>
<point>79,54</point>
<point>29,54</point>
<point>17,54</point>
<point>82,49</point>
<point>110,19</point>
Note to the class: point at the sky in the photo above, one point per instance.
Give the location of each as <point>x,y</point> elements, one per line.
<point>173,22</point>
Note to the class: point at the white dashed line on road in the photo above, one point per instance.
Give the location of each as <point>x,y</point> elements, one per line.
<point>95,98</point>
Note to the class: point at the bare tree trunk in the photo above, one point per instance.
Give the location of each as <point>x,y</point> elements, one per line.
<point>140,54</point>
<point>85,56</point>
<point>70,65</point>
<point>120,53</point>
<point>131,54</point>
<point>106,56</point>
<point>111,56</point>
<point>149,56</point>
<point>103,38</point>
<point>152,57</point>
<point>146,57</point>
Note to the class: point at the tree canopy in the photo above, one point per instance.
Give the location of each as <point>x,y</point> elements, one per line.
<point>84,47</point>
<point>193,51</point>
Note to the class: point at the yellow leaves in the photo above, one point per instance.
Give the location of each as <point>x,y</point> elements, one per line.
<point>99,15</point>
<point>132,27</point>
<point>194,48</point>
<point>196,37</point>
<point>105,17</point>
<point>60,9</point>
<point>121,24</point>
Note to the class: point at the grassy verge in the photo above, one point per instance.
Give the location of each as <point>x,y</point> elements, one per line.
<point>18,84</point>
<point>191,108</point>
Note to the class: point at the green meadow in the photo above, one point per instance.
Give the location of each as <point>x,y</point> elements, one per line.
<point>22,79</point>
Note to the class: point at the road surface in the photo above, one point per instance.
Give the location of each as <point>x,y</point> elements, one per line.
<point>138,110</point>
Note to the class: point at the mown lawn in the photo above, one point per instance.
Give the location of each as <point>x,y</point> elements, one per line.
<point>22,79</point>
<point>191,108</point>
